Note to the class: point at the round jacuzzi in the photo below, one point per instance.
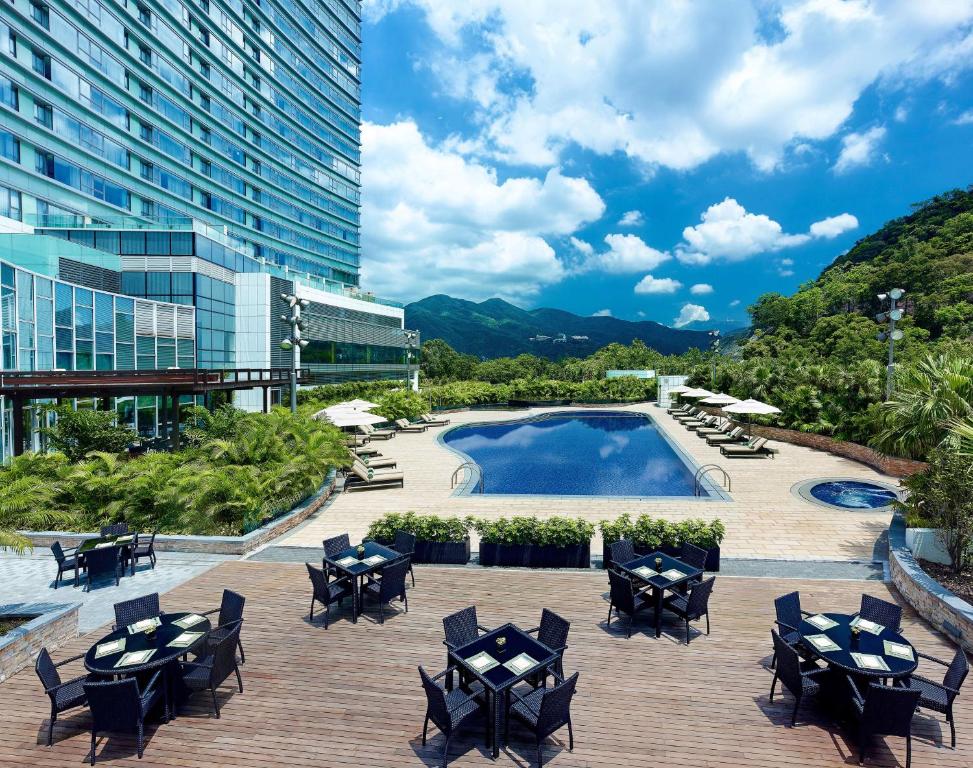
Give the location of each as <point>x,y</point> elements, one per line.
<point>848,493</point>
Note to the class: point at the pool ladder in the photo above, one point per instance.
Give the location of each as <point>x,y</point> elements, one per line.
<point>475,472</point>
<point>705,470</point>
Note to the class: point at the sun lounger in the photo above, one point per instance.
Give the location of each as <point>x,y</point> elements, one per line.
<point>678,409</point>
<point>381,434</point>
<point>359,479</point>
<point>374,463</point>
<point>432,421</point>
<point>721,430</point>
<point>405,426</point>
<point>364,450</point>
<point>758,448</point>
<point>355,441</point>
<point>734,436</point>
<point>692,413</point>
<point>692,426</point>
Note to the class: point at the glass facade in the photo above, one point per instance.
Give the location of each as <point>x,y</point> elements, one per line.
<point>244,114</point>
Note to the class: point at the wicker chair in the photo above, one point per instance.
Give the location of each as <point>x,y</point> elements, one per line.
<point>789,618</point>
<point>101,562</point>
<point>405,544</point>
<point>66,561</point>
<point>121,706</point>
<point>881,612</point>
<point>64,694</point>
<point>939,697</point>
<point>460,628</point>
<point>447,709</point>
<point>335,546</point>
<point>692,555</point>
<point>621,552</point>
<point>211,670</point>
<point>142,549</point>
<point>115,529</point>
<point>231,610</point>
<point>624,599</point>
<point>795,675</point>
<point>130,611</point>
<point>883,711</point>
<point>694,605</point>
<point>544,711</point>
<point>553,632</point>
<point>389,586</point>
<point>326,592</point>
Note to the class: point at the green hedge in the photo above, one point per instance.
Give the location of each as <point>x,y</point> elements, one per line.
<point>552,531</point>
<point>656,532</point>
<point>467,393</point>
<point>423,527</point>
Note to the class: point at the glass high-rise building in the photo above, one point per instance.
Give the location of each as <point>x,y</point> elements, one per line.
<point>200,157</point>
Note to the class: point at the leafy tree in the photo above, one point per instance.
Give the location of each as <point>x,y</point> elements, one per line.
<point>439,361</point>
<point>76,433</point>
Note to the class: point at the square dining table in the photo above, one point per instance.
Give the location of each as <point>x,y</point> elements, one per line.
<point>670,573</point>
<point>124,541</point>
<point>348,562</point>
<point>521,657</point>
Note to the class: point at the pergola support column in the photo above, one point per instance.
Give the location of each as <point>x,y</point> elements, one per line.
<point>18,417</point>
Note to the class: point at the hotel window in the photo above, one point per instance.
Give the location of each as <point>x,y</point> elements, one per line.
<point>145,55</point>
<point>10,203</point>
<point>9,93</point>
<point>41,63</point>
<point>41,14</point>
<point>9,146</point>
<point>145,132</point>
<point>148,170</point>
<point>145,15</point>
<point>204,69</point>
<point>145,93</point>
<point>44,114</point>
<point>204,101</point>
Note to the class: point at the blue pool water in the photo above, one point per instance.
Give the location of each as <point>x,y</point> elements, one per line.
<point>599,453</point>
<point>852,494</point>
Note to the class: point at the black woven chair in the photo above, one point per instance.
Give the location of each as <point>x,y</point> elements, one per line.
<point>553,632</point>
<point>692,555</point>
<point>389,586</point>
<point>939,697</point>
<point>130,611</point>
<point>115,529</point>
<point>121,706</point>
<point>447,709</point>
<point>881,612</point>
<point>64,694</point>
<point>544,711</point>
<point>883,711</point>
<point>789,618</point>
<point>692,606</point>
<point>460,628</point>
<point>67,560</point>
<point>621,552</point>
<point>326,592</point>
<point>405,544</point>
<point>106,561</point>
<point>210,671</point>
<point>231,610</point>
<point>624,599</point>
<point>335,546</point>
<point>142,549</point>
<point>796,675</point>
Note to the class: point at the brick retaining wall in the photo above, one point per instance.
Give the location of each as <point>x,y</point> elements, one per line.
<point>54,625</point>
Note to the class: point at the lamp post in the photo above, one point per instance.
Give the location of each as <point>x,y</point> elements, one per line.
<point>715,346</point>
<point>411,338</point>
<point>294,342</point>
<point>893,335</point>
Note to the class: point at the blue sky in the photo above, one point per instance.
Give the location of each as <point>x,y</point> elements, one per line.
<point>660,160</point>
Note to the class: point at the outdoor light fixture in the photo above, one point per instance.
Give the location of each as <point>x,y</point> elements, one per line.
<point>892,316</point>
<point>411,339</point>
<point>716,352</point>
<point>294,343</point>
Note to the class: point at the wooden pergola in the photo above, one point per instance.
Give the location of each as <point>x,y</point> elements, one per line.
<point>169,385</point>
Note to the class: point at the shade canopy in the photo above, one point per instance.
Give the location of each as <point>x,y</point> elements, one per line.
<point>720,399</point>
<point>360,405</point>
<point>697,393</point>
<point>355,419</point>
<point>679,389</point>
<point>752,407</point>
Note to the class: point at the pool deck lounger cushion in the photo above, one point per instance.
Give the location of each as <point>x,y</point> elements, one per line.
<point>758,448</point>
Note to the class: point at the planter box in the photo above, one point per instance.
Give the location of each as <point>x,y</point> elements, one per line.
<point>535,555</point>
<point>926,544</point>
<point>51,625</point>
<point>439,552</point>
<point>712,555</point>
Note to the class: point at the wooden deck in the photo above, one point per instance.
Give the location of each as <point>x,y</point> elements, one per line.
<point>350,696</point>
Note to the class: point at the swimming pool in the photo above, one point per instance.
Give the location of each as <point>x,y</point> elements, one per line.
<point>590,453</point>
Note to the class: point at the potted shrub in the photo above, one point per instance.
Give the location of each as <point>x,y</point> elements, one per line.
<point>555,542</point>
<point>650,534</point>
<point>439,540</point>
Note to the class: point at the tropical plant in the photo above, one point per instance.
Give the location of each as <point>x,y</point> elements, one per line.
<point>551,531</point>
<point>424,527</point>
<point>653,533</point>
<point>77,432</point>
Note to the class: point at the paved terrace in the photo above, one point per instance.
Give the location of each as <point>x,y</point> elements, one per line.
<point>350,695</point>
<point>764,520</point>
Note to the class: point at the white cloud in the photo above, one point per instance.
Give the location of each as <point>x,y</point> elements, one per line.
<point>833,226</point>
<point>735,303</point>
<point>434,221</point>
<point>602,313</point>
<point>859,149</point>
<point>649,284</point>
<point>701,289</point>
<point>582,246</point>
<point>966,118</point>
<point>728,232</point>
<point>673,83</point>
<point>631,219</point>
<point>625,254</point>
<point>691,313</point>
<point>901,113</point>
<point>640,313</point>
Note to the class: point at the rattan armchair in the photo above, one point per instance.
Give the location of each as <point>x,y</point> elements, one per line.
<point>797,676</point>
<point>553,632</point>
<point>449,710</point>
<point>130,611</point>
<point>326,591</point>
<point>624,599</point>
<point>115,529</point>
<point>692,606</point>
<point>389,586</point>
<point>883,711</point>
<point>789,618</point>
<point>142,549</point>
<point>621,552</point>
<point>64,694</point>
<point>939,697</point>
<point>881,612</point>
<point>67,560</point>
<point>332,547</point>
<point>544,711</point>
<point>460,628</point>
<point>231,610</point>
<point>405,544</point>
<point>102,562</point>
<point>211,670</point>
<point>120,705</point>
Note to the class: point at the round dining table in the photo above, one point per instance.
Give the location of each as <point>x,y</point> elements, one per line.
<point>164,657</point>
<point>867,643</point>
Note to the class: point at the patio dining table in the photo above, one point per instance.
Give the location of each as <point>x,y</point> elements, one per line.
<point>374,557</point>
<point>660,572</point>
<point>500,666</point>
<point>878,654</point>
<point>103,542</point>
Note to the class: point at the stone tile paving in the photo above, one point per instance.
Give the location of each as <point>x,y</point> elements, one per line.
<point>30,578</point>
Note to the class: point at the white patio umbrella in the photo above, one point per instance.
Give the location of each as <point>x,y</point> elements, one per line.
<point>695,393</point>
<point>679,389</point>
<point>720,399</point>
<point>355,419</point>
<point>359,405</point>
<point>751,408</point>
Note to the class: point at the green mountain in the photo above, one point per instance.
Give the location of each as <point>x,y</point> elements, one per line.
<point>496,328</point>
